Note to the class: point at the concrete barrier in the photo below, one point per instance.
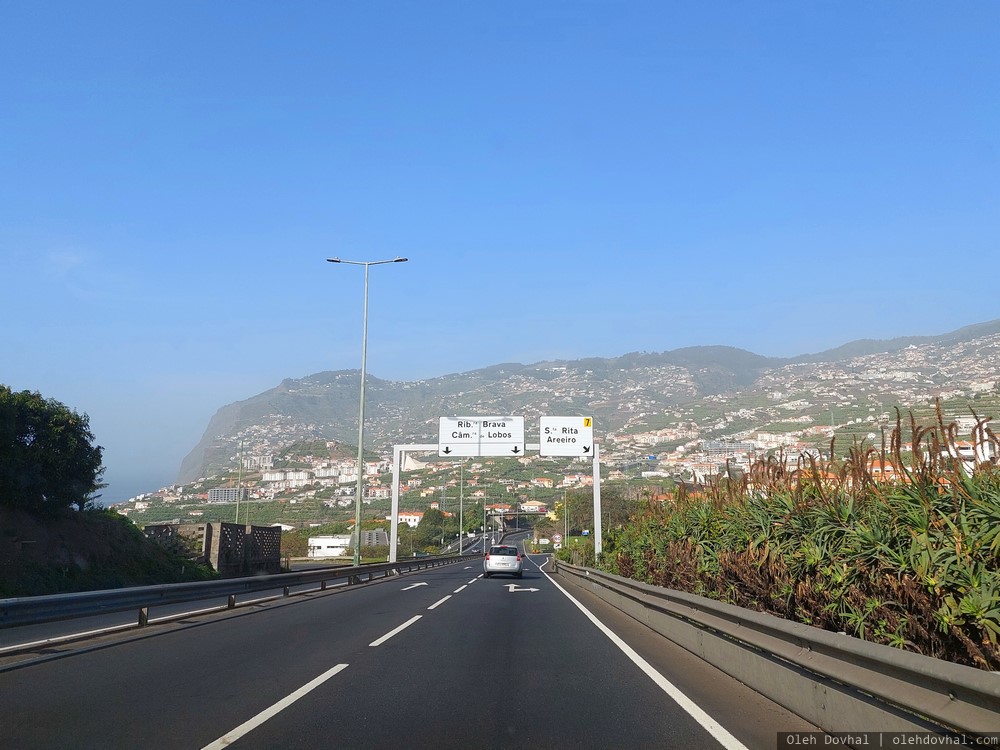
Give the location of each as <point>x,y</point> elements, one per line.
<point>835,681</point>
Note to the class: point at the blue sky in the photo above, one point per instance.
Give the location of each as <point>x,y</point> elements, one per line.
<point>568,179</point>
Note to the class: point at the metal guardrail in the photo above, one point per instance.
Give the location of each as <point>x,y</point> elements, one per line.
<point>835,681</point>
<point>39,609</point>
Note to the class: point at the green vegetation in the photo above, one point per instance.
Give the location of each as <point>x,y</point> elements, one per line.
<point>68,551</point>
<point>48,464</point>
<point>305,448</point>
<point>910,562</point>
<point>48,460</point>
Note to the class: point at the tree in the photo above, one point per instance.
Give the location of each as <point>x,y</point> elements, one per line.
<point>617,507</point>
<point>473,517</point>
<point>430,528</point>
<point>48,459</point>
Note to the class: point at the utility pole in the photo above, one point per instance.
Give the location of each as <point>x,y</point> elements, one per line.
<point>565,519</point>
<point>239,483</point>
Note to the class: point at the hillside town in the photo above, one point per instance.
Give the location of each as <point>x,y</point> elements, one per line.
<point>795,410</point>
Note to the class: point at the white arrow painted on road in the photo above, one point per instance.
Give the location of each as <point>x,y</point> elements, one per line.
<point>414,586</point>
<point>512,587</point>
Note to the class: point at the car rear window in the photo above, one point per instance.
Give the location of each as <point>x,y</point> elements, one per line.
<point>503,551</point>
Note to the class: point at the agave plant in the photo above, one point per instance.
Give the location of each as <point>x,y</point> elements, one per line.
<point>898,546</point>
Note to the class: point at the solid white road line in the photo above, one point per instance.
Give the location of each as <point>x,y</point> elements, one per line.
<point>439,602</point>
<point>281,705</point>
<point>695,711</point>
<point>396,631</point>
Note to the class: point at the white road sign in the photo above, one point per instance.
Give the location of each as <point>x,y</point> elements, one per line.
<point>501,436</point>
<point>481,436</point>
<point>458,436</point>
<point>566,436</point>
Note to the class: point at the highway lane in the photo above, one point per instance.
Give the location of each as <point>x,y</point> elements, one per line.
<point>58,630</point>
<point>440,657</point>
<point>61,630</point>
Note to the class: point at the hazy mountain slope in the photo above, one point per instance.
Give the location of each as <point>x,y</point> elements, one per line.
<point>619,392</point>
<point>863,347</point>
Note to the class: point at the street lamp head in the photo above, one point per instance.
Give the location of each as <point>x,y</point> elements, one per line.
<point>367,263</point>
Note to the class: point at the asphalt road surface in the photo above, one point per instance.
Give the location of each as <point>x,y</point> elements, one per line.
<point>441,658</point>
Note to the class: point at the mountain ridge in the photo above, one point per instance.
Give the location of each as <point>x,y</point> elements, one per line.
<point>619,391</point>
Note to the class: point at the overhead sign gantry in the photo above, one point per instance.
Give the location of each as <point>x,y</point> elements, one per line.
<point>504,436</point>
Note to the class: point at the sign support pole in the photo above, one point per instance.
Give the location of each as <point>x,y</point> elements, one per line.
<point>397,459</point>
<point>598,540</point>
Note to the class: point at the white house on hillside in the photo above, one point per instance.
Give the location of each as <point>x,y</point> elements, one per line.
<point>411,517</point>
<point>334,545</point>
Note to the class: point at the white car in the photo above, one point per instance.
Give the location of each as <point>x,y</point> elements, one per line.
<point>502,558</point>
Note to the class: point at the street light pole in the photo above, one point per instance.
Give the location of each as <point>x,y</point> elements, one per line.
<point>361,410</point>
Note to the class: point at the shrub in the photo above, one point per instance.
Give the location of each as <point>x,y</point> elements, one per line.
<point>906,557</point>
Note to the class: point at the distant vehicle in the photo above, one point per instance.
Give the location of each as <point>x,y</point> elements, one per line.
<point>502,559</point>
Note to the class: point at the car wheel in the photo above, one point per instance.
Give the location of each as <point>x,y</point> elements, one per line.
<point>486,575</point>
<point>519,575</point>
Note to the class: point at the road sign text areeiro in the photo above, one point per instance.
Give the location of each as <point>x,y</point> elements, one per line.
<point>565,436</point>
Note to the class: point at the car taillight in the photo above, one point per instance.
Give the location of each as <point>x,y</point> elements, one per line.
<point>487,555</point>
<point>519,558</point>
